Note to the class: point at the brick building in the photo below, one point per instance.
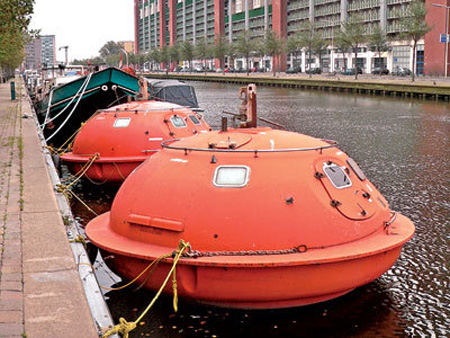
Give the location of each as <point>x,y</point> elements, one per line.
<point>163,22</point>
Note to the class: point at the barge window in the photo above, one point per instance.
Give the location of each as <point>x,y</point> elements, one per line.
<point>194,120</point>
<point>231,176</point>
<point>122,122</point>
<point>178,121</point>
<point>337,176</point>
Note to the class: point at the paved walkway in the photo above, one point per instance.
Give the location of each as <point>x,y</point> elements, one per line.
<point>41,294</point>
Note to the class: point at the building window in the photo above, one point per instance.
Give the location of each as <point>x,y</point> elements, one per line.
<point>401,56</point>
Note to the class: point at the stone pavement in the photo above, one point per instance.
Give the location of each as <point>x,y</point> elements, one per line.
<point>41,294</point>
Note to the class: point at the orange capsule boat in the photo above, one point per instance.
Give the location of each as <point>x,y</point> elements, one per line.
<point>118,139</point>
<point>274,219</point>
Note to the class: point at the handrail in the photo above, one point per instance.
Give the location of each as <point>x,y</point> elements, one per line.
<point>165,144</point>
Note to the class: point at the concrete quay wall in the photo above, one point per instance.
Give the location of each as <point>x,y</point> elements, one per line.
<point>434,89</point>
<point>41,292</point>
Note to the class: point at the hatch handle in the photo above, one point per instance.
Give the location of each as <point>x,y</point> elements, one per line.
<point>156,222</point>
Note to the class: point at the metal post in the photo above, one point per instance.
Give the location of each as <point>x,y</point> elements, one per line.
<point>13,90</point>
<point>126,54</point>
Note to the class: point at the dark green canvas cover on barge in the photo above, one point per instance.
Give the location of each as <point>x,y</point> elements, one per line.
<point>172,91</point>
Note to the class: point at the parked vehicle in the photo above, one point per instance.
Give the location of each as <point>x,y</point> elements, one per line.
<point>314,71</point>
<point>259,70</point>
<point>380,71</point>
<point>401,71</point>
<point>200,69</point>
<point>351,71</point>
<point>293,70</point>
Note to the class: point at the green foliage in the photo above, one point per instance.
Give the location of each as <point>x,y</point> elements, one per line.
<point>137,59</point>
<point>15,16</point>
<point>187,51</point>
<point>174,52</point>
<point>351,37</point>
<point>378,41</point>
<point>202,49</point>
<point>245,46</point>
<point>220,49</point>
<point>111,47</point>
<point>274,47</point>
<point>260,47</point>
<point>154,55</point>
<point>414,26</point>
<point>293,44</point>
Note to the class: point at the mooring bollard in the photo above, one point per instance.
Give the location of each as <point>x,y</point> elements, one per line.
<point>13,90</point>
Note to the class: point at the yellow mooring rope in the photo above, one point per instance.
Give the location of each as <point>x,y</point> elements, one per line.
<point>124,327</point>
<point>66,189</point>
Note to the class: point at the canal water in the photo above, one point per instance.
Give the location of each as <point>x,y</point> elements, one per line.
<point>403,146</point>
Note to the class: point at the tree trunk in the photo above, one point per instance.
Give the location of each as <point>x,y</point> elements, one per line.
<point>274,62</point>
<point>413,70</point>
<point>309,64</point>
<point>246,61</point>
<point>354,65</point>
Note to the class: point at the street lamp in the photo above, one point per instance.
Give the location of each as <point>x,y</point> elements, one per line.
<point>446,35</point>
<point>126,54</point>
<point>66,48</point>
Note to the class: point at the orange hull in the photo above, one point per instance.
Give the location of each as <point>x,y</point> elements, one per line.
<point>261,282</point>
<point>275,219</point>
<point>124,136</point>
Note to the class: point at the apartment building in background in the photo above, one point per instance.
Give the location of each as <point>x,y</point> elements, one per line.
<point>164,22</point>
<point>40,52</point>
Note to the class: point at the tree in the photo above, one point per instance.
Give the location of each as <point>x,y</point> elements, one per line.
<point>220,51</point>
<point>154,56</point>
<point>274,47</point>
<point>174,54</point>
<point>245,47</point>
<point>313,43</point>
<point>342,45</point>
<point>378,42</point>
<point>320,48</point>
<point>136,59</point>
<point>293,44</point>
<point>202,51</point>
<point>414,27</point>
<point>232,53</point>
<point>164,57</point>
<point>111,47</point>
<point>15,16</point>
<point>187,52</point>
<point>260,49</point>
<point>352,34</point>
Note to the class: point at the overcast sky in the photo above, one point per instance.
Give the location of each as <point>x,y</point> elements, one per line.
<point>84,25</point>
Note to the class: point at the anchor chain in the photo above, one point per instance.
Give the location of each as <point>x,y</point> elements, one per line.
<point>197,254</point>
